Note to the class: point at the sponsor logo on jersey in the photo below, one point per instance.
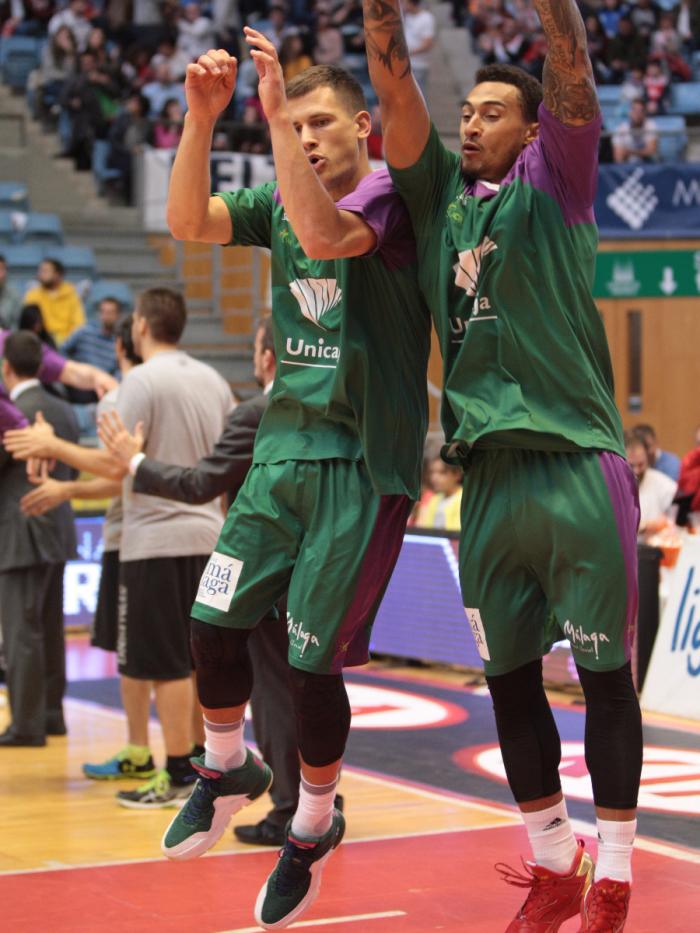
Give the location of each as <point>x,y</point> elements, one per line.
<point>320,349</point>
<point>477,629</point>
<point>458,325</point>
<point>588,644</point>
<point>316,297</point>
<point>468,267</point>
<point>219,581</point>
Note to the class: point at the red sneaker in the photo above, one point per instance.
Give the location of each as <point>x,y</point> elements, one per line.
<point>553,897</point>
<point>605,907</point>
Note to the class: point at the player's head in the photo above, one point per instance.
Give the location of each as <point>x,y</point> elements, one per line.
<point>124,343</point>
<point>159,318</point>
<point>637,455</point>
<point>329,110</point>
<point>50,272</point>
<point>264,360</point>
<point>22,358</point>
<point>444,478</point>
<point>499,118</point>
<point>647,435</point>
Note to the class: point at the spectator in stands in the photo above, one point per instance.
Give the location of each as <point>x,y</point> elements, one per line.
<point>442,509</point>
<point>375,143</point>
<point>95,342</point>
<point>293,58</point>
<point>276,27</point>
<point>128,134</point>
<point>163,88</point>
<point>626,50</point>
<point>90,102</point>
<point>689,477</point>
<point>597,48</point>
<point>26,18</point>
<point>656,87</point>
<point>195,33</point>
<point>169,54</point>
<point>328,46</point>
<point>59,62</point>
<point>33,553</point>
<point>636,140</point>
<point>75,16</point>
<point>667,46</point>
<point>168,129</point>
<point>10,301</point>
<point>633,86</point>
<point>645,15</point>
<point>31,319</point>
<point>610,15</point>
<point>662,460</point>
<point>60,303</point>
<point>656,490</point>
<point>419,27</point>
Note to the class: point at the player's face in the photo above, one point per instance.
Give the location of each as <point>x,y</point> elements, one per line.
<point>493,131</point>
<point>332,138</point>
<point>638,460</point>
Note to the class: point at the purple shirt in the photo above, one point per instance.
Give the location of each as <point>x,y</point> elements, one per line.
<point>52,365</point>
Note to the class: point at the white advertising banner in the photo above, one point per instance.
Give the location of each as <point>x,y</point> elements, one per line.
<point>229,171</point>
<point>672,683</point>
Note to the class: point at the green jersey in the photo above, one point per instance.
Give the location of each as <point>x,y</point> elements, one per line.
<point>352,339</point>
<point>507,271</point>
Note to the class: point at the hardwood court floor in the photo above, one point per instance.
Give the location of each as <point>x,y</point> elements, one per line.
<point>416,859</point>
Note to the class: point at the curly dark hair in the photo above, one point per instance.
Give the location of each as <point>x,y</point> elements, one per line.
<point>530,88</point>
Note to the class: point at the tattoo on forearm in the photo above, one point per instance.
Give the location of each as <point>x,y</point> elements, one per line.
<point>569,88</point>
<point>385,41</point>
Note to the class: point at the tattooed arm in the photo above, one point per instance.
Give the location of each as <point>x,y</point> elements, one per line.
<point>569,88</point>
<point>405,120</point>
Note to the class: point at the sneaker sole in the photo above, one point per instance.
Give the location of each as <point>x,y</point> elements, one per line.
<point>137,776</point>
<point>152,805</point>
<point>316,871</point>
<point>199,843</point>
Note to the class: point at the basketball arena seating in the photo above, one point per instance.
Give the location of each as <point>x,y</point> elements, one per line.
<point>672,129</point>
<point>19,55</point>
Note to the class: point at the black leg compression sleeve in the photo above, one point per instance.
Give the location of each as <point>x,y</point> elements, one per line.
<point>613,736</point>
<point>323,716</point>
<point>527,732</point>
<point>223,668</point>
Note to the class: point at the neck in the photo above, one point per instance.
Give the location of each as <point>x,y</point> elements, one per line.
<point>152,348</point>
<point>347,185</point>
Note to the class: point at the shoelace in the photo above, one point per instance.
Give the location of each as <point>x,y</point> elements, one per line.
<point>540,887</point>
<point>293,868</point>
<point>199,802</point>
<point>605,908</point>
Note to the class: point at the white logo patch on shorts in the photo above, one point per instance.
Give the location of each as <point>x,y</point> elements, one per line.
<point>477,630</point>
<point>219,581</point>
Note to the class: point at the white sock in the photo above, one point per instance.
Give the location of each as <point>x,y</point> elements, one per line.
<point>551,837</point>
<point>315,811</point>
<point>224,748</point>
<point>615,840</point>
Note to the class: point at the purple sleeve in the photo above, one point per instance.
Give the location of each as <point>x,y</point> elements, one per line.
<point>563,161</point>
<point>10,417</point>
<point>376,200</point>
<point>52,365</point>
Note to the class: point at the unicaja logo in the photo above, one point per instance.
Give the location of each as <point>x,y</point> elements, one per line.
<point>468,269</point>
<point>316,297</point>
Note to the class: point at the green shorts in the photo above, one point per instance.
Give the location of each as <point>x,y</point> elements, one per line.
<point>549,546</point>
<point>317,530</point>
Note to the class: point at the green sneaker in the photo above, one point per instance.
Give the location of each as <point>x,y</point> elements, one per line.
<point>216,797</point>
<point>294,884</point>
<point>155,794</point>
<point>131,762</point>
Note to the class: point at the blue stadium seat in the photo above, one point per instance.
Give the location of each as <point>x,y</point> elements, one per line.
<point>108,288</point>
<point>685,98</point>
<point>78,260</point>
<point>18,56</point>
<point>695,63</point>
<point>7,229</point>
<point>22,261</point>
<point>42,228</point>
<point>13,196</point>
<point>673,138</point>
<point>609,93</point>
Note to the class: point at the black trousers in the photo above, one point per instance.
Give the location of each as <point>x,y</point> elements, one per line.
<point>34,645</point>
<point>272,707</point>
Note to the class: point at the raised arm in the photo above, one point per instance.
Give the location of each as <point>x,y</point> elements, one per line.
<point>405,119</point>
<point>192,213</point>
<point>569,87</point>
<point>323,231</point>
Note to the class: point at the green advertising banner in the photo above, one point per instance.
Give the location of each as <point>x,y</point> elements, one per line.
<point>671,274</point>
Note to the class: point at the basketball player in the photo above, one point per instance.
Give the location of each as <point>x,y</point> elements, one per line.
<point>506,246</point>
<point>338,452</point>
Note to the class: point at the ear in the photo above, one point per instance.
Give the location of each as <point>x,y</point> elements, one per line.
<point>363,121</point>
<point>531,133</point>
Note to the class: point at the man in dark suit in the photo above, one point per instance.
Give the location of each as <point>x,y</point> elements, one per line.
<point>33,553</point>
<point>222,473</point>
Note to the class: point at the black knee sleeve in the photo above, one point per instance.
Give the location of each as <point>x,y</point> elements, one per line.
<point>323,716</point>
<point>222,664</point>
<point>613,736</point>
<point>527,732</point>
